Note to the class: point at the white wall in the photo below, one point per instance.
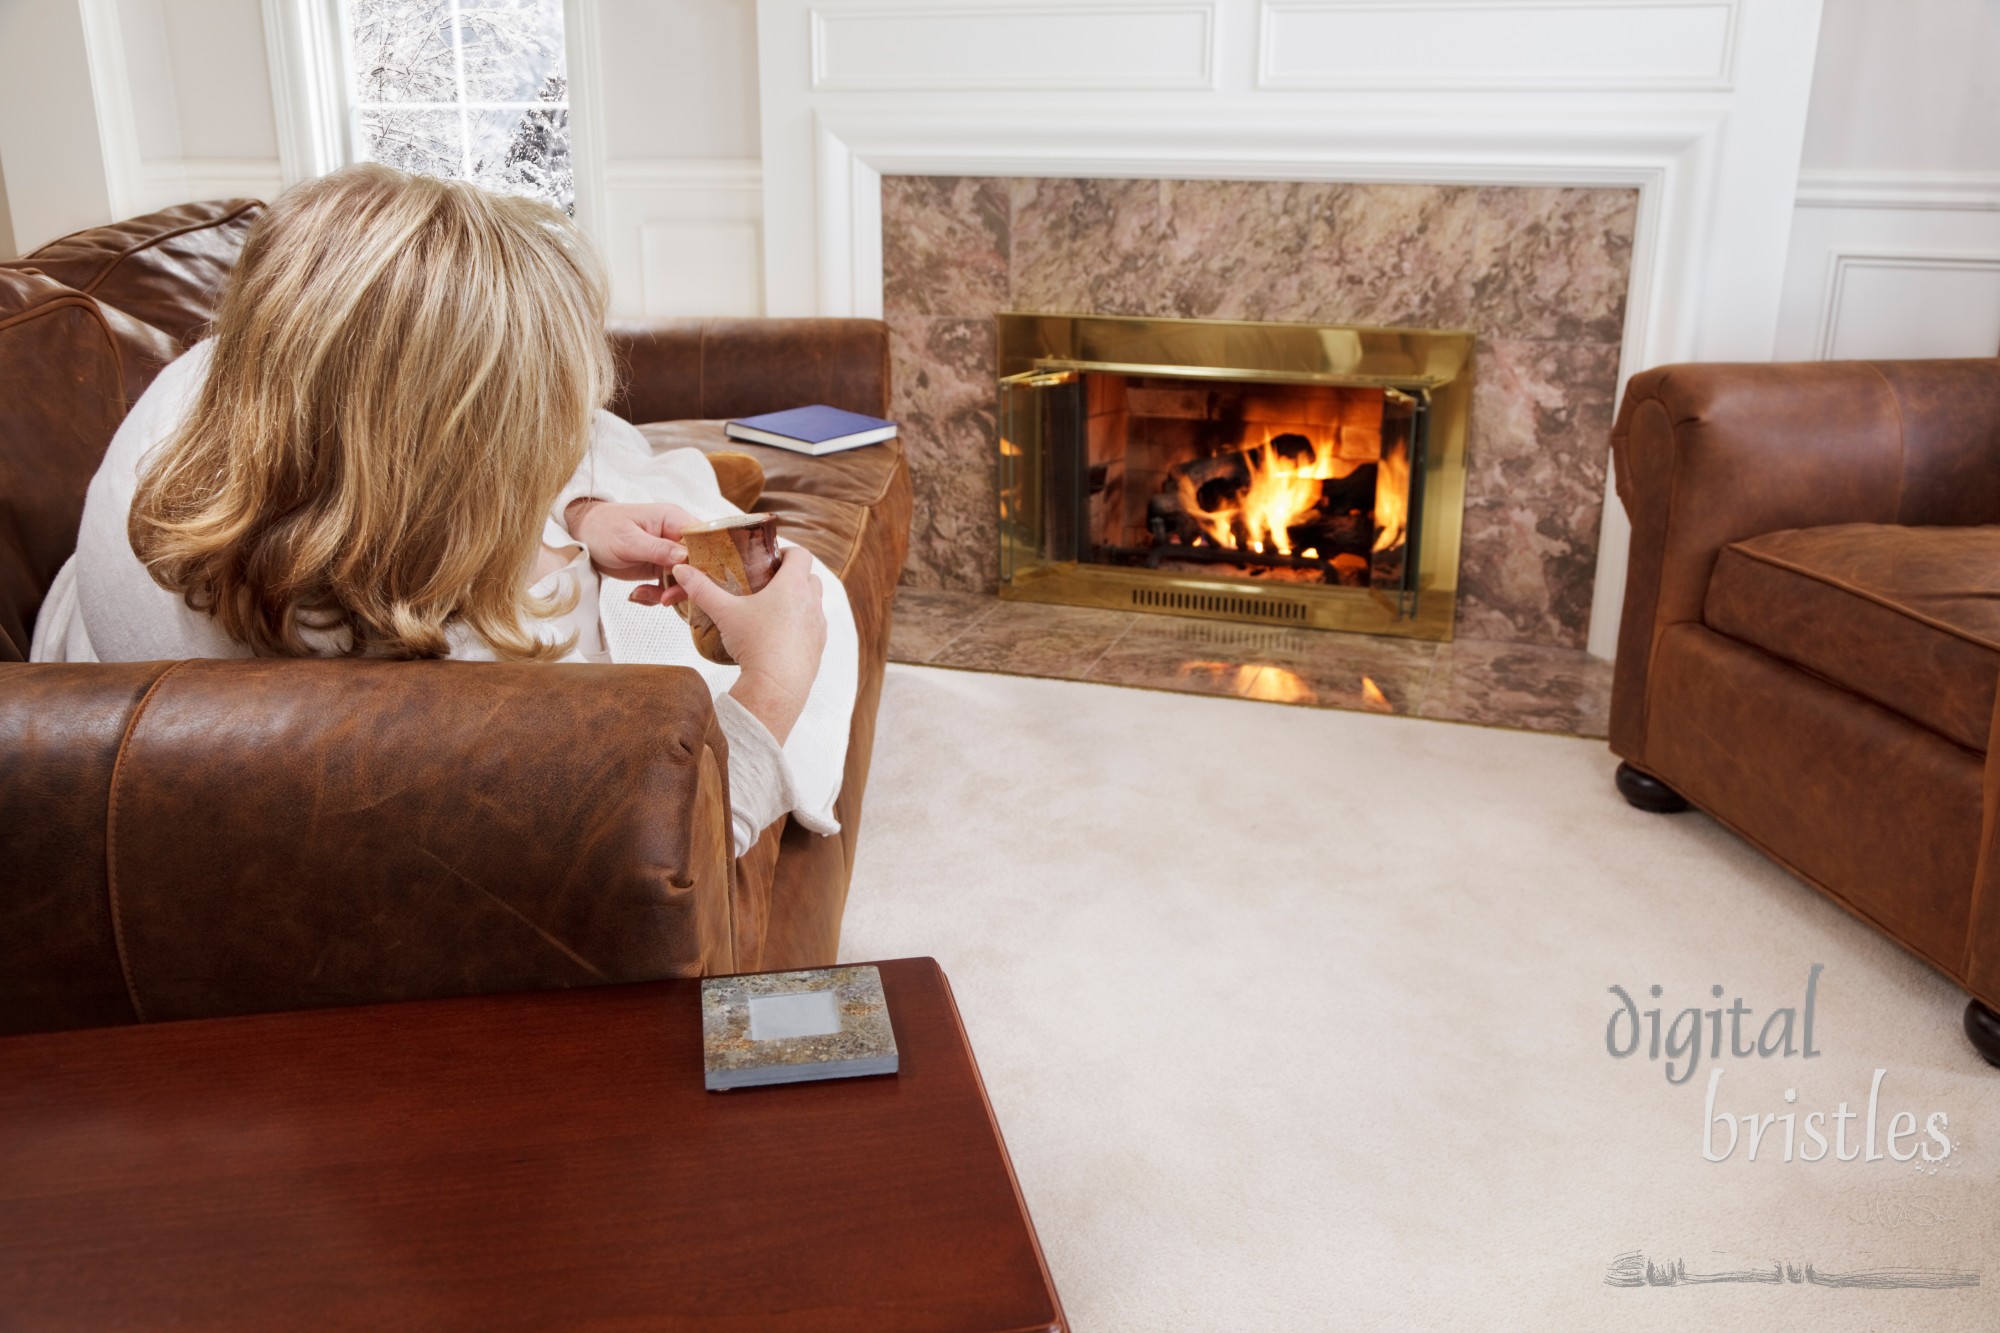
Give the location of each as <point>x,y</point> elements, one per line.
<point>49,136</point>
<point>683,206</point>
<point>680,79</point>
<point>1895,247</point>
<point>1910,86</point>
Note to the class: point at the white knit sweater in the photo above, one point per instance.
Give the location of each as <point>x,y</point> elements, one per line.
<point>104,606</point>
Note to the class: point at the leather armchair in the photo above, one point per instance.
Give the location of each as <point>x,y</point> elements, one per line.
<point>1811,636</point>
<point>214,837</point>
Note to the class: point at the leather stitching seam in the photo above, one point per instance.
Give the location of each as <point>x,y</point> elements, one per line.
<point>1983,872</point>
<point>1902,440</point>
<point>1863,594</point>
<point>121,256</point>
<point>111,840</point>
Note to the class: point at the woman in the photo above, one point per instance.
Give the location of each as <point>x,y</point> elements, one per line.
<point>394,445</point>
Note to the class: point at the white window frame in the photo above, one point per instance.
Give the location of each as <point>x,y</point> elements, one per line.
<point>306,44</point>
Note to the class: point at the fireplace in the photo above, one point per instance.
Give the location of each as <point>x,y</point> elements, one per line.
<point>1273,473</point>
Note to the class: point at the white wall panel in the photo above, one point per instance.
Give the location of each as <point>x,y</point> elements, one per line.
<point>684,238</point>
<point>701,268</point>
<point>1911,305</point>
<point>1014,47</point>
<point>1899,204</point>
<point>1489,44</point>
<point>1885,270</point>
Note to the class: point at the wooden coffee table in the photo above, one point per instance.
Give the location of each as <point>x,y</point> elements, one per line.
<point>513,1161</point>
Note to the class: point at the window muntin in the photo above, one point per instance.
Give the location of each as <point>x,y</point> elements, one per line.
<point>475,90</point>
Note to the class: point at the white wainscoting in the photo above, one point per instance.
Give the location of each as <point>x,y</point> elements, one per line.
<point>1016,47</point>
<point>684,237</point>
<point>1619,45</point>
<point>1706,121</point>
<point>1887,265</point>
<point>185,179</point>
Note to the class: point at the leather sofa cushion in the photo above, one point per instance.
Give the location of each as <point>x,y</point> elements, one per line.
<point>165,268</point>
<point>1906,617</point>
<point>823,503</point>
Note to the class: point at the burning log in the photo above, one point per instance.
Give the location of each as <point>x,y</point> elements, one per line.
<point>1334,532</point>
<point>1218,481</point>
<point>740,553</point>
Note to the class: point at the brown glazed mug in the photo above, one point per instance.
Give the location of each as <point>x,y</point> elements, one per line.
<point>741,554</point>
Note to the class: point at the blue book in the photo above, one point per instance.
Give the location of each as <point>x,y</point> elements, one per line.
<point>812,430</point>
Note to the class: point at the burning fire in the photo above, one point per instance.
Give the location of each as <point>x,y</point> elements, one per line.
<point>1284,489</point>
<point>1392,497</point>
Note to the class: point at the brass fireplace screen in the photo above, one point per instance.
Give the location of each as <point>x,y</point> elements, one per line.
<point>1276,473</point>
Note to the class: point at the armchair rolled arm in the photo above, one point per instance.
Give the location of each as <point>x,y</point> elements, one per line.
<point>687,369</point>
<point>259,835</point>
<point>1706,455</point>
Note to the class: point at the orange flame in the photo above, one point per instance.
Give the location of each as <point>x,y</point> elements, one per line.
<point>1284,490</point>
<point>1372,696</point>
<point>1392,497</point>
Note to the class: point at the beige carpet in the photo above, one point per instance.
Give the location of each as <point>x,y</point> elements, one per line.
<point>1296,1020</point>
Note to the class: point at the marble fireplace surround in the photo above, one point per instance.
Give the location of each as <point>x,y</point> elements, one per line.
<point>1696,106</point>
<point>1540,275</point>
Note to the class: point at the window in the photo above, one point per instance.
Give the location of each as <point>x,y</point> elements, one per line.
<point>471,89</point>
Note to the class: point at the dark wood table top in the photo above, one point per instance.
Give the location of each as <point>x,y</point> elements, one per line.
<point>513,1161</point>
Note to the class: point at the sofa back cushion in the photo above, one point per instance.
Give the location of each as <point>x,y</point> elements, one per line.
<point>165,269</point>
<point>72,369</point>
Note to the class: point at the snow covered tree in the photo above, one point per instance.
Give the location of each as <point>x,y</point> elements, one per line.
<point>470,89</point>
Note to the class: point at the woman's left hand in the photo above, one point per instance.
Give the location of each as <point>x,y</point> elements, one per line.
<point>632,541</point>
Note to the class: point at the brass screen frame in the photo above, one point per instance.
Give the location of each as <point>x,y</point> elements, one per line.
<point>1434,364</point>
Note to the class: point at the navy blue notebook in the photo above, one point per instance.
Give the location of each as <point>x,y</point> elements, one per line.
<point>812,430</point>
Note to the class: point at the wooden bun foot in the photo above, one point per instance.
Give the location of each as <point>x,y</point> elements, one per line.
<point>1643,791</point>
<point>1983,1026</point>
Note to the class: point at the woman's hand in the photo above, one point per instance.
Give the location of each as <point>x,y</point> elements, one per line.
<point>631,541</point>
<point>776,635</point>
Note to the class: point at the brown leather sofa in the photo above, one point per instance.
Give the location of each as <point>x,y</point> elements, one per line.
<point>1811,637</point>
<point>180,839</point>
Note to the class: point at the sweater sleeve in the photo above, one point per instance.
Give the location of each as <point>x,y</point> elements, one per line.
<point>610,471</point>
<point>760,783</point>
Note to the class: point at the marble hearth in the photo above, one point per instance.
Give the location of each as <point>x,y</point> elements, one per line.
<point>1518,685</point>
<point>1540,274</point>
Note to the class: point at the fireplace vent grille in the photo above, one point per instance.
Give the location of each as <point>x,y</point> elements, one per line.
<point>1169,599</point>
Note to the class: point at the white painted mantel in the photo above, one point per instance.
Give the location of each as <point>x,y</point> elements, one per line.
<point>1699,104</point>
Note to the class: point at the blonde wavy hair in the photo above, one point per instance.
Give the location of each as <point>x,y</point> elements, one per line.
<point>405,371</point>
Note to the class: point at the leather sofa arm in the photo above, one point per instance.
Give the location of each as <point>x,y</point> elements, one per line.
<point>702,369</point>
<point>1706,455</point>
<point>219,837</point>
<point>1980,968</point>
